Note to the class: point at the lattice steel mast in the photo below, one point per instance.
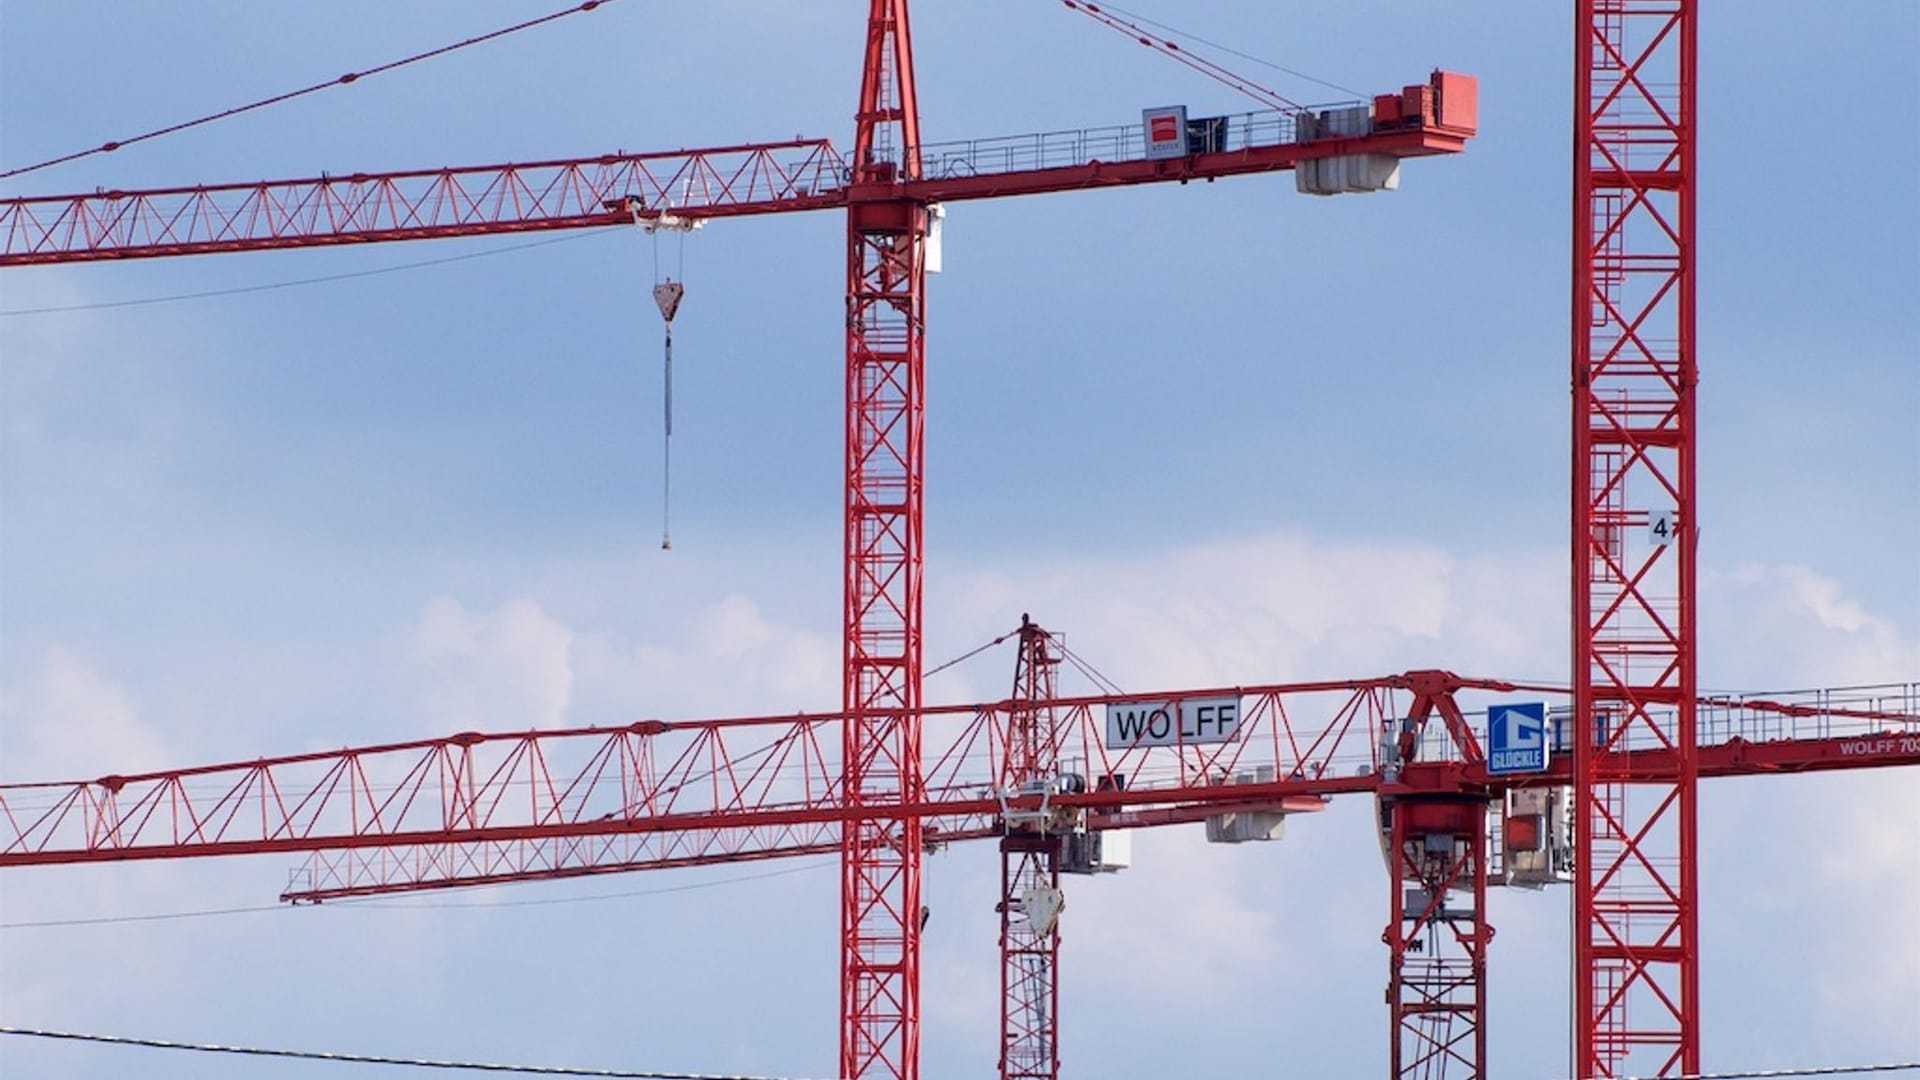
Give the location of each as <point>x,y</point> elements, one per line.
<point>1635,533</point>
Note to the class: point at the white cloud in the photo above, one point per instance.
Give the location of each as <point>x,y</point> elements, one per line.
<point>66,721</point>
<point>507,669</point>
<point>1772,627</point>
<point>1280,607</point>
<point>726,658</point>
<point>1867,887</point>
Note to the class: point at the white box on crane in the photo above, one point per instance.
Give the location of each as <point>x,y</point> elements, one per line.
<point>1244,826</point>
<point>1536,837</point>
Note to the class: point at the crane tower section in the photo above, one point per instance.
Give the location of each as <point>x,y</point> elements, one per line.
<point>885,489</point>
<point>1635,530</point>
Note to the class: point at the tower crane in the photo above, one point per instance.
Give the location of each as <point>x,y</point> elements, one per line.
<point>1050,777</point>
<point>1638,733</point>
<point>891,184</point>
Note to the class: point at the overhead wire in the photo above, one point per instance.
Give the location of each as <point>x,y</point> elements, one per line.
<point>344,80</point>
<point>377,1059</point>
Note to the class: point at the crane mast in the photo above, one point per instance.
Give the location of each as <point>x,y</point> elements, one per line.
<point>884,553</point>
<point>1635,539</point>
<point>1436,845</point>
<point>1030,855</point>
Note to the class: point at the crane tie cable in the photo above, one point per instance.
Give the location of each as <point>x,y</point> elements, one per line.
<point>970,654</point>
<point>1110,18</point>
<point>1231,51</point>
<point>374,1059</point>
<point>344,80</point>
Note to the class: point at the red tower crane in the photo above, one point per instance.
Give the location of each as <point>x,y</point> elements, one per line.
<point>1635,544</point>
<point>479,807</point>
<point>890,185</point>
<point>658,794</point>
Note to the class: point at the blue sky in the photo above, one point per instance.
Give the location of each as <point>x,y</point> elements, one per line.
<point>1281,438</point>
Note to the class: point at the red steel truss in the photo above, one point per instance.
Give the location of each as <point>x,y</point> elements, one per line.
<point>1030,852</point>
<point>492,808</point>
<point>608,190</point>
<point>656,778</point>
<point>889,186</point>
<point>1436,847</point>
<point>455,794</point>
<point>1635,517</point>
<point>885,490</point>
<point>1437,937</point>
<point>423,204</point>
<point>475,808</point>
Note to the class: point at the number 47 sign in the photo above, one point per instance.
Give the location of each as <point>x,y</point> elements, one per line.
<point>1660,526</point>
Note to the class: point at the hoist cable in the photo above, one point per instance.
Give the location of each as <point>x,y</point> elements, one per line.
<point>343,80</point>
<point>666,450</point>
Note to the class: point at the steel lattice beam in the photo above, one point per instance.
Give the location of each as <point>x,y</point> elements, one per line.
<point>766,774</point>
<point>612,189</point>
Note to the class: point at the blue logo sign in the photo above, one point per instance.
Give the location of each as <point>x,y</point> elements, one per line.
<point>1517,738</point>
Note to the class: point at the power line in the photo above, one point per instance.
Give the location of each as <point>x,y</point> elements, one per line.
<point>270,286</point>
<point>344,80</point>
<point>370,904</point>
<point>375,1059</point>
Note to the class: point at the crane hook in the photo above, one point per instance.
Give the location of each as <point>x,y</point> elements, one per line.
<point>666,296</point>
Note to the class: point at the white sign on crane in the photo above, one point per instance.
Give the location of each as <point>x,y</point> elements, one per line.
<point>1187,722</point>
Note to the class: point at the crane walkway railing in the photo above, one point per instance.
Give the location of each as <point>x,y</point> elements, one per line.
<point>1084,146</point>
<point>1720,719</point>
